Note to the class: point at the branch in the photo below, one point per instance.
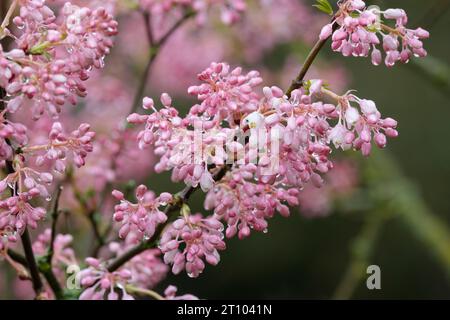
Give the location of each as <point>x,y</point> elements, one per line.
<point>297,83</point>
<point>17,257</point>
<point>27,248</point>
<point>38,286</point>
<point>154,50</point>
<point>90,215</point>
<point>46,267</point>
<point>54,216</point>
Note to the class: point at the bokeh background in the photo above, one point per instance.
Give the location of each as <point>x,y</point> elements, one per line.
<point>397,214</point>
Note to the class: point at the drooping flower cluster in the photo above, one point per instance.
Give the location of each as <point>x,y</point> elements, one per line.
<point>142,217</point>
<point>225,93</point>
<point>271,146</point>
<point>16,212</point>
<point>60,146</point>
<point>251,151</point>
<point>54,57</point>
<point>356,31</point>
<point>102,284</point>
<point>76,144</point>
<point>191,240</point>
<point>50,59</point>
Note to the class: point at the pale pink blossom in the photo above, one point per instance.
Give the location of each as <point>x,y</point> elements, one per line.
<point>142,217</point>
<point>190,241</point>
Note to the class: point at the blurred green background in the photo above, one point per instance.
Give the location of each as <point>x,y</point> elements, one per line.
<point>309,258</point>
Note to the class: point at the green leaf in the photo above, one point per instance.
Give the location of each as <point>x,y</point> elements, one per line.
<point>324,6</point>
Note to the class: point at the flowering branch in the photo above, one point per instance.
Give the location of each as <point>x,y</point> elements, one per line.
<point>180,199</point>
<point>46,267</point>
<point>339,135</point>
<point>38,286</point>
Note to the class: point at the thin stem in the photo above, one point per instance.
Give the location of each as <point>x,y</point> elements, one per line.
<point>46,268</point>
<point>54,215</point>
<point>90,215</point>
<point>150,293</point>
<point>7,18</point>
<point>17,257</point>
<point>98,235</point>
<point>331,94</point>
<point>297,83</point>
<point>155,48</point>
<point>148,27</point>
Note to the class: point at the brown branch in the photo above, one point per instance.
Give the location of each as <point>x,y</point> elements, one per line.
<point>297,83</point>
<point>17,257</point>
<point>46,267</point>
<point>38,286</point>
<point>154,51</point>
<point>54,216</point>
<point>26,242</point>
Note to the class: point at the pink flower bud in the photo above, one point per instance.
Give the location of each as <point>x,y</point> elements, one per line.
<point>380,140</point>
<point>118,195</point>
<point>326,31</point>
<point>166,100</point>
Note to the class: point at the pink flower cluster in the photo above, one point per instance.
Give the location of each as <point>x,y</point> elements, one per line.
<point>51,58</point>
<point>286,145</point>
<point>191,240</point>
<point>225,93</point>
<point>142,271</point>
<point>16,213</point>
<point>29,183</point>
<point>10,132</point>
<point>245,205</point>
<point>78,144</point>
<point>54,56</point>
<point>103,285</point>
<point>356,31</point>
<point>142,217</point>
